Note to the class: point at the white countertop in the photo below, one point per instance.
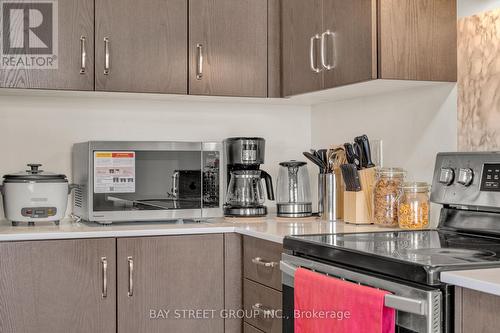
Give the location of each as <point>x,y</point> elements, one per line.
<point>272,229</point>
<point>484,280</point>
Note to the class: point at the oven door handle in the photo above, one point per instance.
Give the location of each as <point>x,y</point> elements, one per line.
<point>399,303</point>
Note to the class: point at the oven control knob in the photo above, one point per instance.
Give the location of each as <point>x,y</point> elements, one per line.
<point>447,176</point>
<point>465,177</point>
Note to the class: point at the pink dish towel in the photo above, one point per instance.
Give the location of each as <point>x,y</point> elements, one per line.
<point>328,305</point>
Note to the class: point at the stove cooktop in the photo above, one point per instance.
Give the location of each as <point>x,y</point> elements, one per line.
<point>417,256</point>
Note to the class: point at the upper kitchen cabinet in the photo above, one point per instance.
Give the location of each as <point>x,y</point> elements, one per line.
<point>418,40</point>
<point>228,47</point>
<point>48,45</point>
<point>327,43</point>
<point>141,46</point>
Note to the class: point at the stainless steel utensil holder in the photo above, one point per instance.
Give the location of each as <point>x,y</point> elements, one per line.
<point>329,192</point>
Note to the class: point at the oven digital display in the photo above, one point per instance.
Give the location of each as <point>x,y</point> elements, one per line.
<point>491,178</point>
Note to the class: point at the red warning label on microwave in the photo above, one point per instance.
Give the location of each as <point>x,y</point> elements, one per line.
<point>114,172</point>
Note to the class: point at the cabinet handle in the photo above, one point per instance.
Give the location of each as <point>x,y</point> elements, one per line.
<point>83,55</point>
<point>312,53</point>
<point>324,52</point>
<point>106,56</point>
<point>262,310</point>
<point>104,264</point>
<point>260,262</point>
<point>130,276</point>
<point>199,61</point>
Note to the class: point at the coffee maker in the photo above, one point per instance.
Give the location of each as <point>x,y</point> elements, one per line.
<point>245,194</point>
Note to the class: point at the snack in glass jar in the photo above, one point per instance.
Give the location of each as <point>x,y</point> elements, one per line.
<point>414,205</point>
<point>385,195</point>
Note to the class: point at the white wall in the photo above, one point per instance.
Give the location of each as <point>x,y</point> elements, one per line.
<point>471,7</point>
<point>34,128</point>
<point>413,124</point>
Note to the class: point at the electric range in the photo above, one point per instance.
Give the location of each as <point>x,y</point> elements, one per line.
<point>409,263</point>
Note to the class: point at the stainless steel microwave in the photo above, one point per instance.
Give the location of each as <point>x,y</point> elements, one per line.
<point>118,181</point>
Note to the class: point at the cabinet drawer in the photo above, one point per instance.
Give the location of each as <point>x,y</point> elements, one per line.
<point>257,296</point>
<point>250,329</point>
<point>261,261</point>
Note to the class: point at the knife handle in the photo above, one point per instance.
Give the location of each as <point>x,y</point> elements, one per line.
<point>352,157</point>
<point>365,147</point>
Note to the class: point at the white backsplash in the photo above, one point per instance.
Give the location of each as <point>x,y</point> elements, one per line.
<point>34,128</point>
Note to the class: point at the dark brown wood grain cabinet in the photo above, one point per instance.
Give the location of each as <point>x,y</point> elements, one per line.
<point>228,53</point>
<point>68,42</point>
<point>170,273</point>
<point>476,311</point>
<point>141,46</point>
<point>327,43</point>
<point>418,40</point>
<point>58,286</point>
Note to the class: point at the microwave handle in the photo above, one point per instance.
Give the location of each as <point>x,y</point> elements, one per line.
<point>404,304</point>
<point>269,184</point>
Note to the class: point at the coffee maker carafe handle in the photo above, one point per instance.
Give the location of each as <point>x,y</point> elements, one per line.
<point>269,184</point>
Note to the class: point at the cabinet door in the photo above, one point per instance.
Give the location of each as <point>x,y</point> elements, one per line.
<point>57,39</point>
<point>228,47</point>
<point>349,42</point>
<point>418,40</point>
<point>301,21</point>
<point>141,46</point>
<point>58,286</point>
<point>160,277</point>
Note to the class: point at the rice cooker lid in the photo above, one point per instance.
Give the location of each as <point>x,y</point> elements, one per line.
<point>35,174</point>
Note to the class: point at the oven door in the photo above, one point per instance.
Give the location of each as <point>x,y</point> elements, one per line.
<point>417,309</point>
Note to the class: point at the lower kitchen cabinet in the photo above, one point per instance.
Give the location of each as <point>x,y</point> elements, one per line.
<point>476,311</point>
<point>262,296</point>
<point>58,286</point>
<point>171,274</point>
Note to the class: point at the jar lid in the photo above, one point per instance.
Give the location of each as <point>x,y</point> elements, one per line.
<point>415,187</point>
<point>35,175</point>
<point>391,172</point>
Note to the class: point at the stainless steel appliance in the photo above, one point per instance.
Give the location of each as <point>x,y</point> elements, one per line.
<point>409,263</point>
<point>293,190</point>
<point>119,181</point>
<point>35,195</point>
<point>245,195</point>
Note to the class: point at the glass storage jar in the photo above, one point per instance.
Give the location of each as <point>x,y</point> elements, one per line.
<point>385,194</point>
<point>414,205</point>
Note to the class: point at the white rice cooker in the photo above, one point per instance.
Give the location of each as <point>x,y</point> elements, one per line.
<point>35,196</point>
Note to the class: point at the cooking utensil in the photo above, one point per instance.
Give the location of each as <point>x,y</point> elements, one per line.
<point>351,177</point>
<point>352,157</point>
<point>359,152</point>
<point>35,196</point>
<point>313,158</point>
<point>364,143</point>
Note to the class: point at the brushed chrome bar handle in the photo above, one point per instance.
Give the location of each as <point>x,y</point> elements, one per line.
<point>130,261</point>
<point>262,310</point>
<point>106,56</point>
<point>83,55</point>
<point>312,53</point>
<point>199,62</point>
<point>269,264</point>
<point>324,52</point>
<point>104,264</point>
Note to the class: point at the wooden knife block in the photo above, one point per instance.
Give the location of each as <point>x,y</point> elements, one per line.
<point>358,206</point>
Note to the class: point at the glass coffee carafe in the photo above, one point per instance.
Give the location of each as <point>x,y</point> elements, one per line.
<point>245,189</point>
